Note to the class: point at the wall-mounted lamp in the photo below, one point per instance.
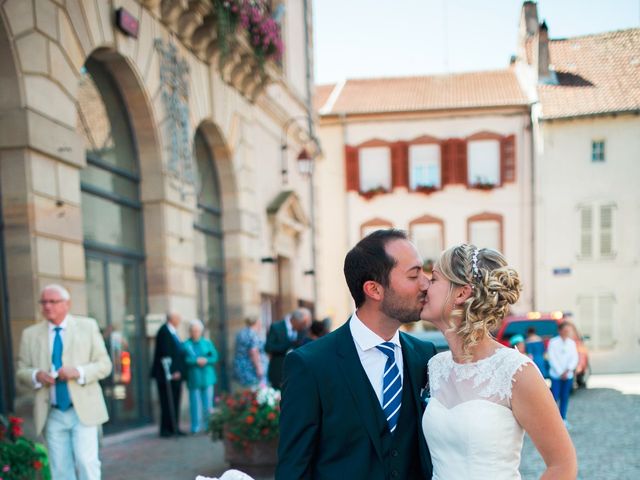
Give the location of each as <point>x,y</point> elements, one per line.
<point>268,260</point>
<point>309,272</point>
<point>305,162</point>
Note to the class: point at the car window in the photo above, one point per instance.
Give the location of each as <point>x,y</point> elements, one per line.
<point>544,328</point>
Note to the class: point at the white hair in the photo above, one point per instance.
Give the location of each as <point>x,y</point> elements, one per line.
<point>196,322</point>
<point>59,289</point>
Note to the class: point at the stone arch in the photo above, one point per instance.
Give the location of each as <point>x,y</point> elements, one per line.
<point>224,163</point>
<point>11,100</point>
<point>239,294</point>
<point>143,123</point>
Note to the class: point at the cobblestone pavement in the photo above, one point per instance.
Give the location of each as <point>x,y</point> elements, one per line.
<point>143,455</point>
<point>605,428</point>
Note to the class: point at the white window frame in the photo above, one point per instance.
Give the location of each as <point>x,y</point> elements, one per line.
<point>598,151</point>
<point>376,163</point>
<point>472,240</point>
<point>483,162</point>
<point>425,156</point>
<point>596,320</point>
<point>597,229</point>
<point>438,234</point>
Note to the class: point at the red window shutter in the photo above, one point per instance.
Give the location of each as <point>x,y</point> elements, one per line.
<point>352,168</point>
<point>399,164</point>
<point>508,159</point>
<point>460,161</point>
<point>446,162</point>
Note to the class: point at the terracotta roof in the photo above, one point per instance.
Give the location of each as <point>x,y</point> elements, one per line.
<point>321,95</point>
<point>596,74</point>
<point>435,92</point>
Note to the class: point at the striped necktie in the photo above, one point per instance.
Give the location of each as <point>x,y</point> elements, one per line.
<point>391,386</point>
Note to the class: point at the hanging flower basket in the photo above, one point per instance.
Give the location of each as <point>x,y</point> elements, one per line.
<point>253,18</point>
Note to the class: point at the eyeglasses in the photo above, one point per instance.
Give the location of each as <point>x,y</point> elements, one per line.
<point>53,302</point>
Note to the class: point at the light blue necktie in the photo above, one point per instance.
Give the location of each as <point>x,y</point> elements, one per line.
<point>63,401</point>
<point>391,386</point>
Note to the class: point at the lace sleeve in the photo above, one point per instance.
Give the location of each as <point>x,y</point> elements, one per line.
<point>502,385</point>
<point>438,371</point>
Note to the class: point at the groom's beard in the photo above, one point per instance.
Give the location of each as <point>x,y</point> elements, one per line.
<point>393,306</point>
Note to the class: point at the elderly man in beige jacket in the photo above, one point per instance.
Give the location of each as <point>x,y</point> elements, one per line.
<point>62,360</point>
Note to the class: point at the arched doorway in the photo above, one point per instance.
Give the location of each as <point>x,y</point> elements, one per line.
<point>209,252</point>
<point>113,241</point>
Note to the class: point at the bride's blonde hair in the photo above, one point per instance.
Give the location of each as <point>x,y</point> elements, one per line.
<point>495,286</point>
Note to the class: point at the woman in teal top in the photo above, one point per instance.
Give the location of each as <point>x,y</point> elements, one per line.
<point>200,356</point>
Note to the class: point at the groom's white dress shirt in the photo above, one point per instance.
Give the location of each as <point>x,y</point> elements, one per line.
<point>372,359</point>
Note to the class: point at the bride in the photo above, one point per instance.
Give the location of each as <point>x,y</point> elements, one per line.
<point>484,396</point>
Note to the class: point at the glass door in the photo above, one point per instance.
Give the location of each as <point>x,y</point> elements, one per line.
<point>114,297</point>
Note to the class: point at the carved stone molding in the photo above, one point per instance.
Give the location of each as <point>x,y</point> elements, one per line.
<point>194,22</point>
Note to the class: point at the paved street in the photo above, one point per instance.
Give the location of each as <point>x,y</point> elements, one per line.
<point>605,427</point>
<point>605,422</point>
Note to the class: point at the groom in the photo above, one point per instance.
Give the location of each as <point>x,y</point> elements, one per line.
<point>351,405</point>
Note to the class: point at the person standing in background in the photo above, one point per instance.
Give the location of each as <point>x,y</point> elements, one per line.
<point>535,349</point>
<point>169,347</point>
<point>200,357</point>
<point>563,360</point>
<point>69,404</point>
<point>250,361</point>
<point>284,336</point>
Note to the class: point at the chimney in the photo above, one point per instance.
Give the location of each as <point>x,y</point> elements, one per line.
<point>544,73</point>
<point>530,18</point>
<point>527,30</point>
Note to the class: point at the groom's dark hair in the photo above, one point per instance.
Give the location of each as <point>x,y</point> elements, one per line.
<point>369,260</point>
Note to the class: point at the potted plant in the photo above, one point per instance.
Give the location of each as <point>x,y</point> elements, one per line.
<point>20,458</point>
<point>426,188</point>
<point>482,183</point>
<point>372,192</point>
<point>247,421</point>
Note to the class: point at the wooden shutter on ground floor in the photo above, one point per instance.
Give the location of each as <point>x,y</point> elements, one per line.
<point>508,159</point>
<point>352,168</point>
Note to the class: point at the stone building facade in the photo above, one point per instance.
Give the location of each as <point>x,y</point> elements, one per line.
<point>149,173</point>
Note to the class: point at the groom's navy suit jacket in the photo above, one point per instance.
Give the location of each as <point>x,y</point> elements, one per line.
<point>332,425</point>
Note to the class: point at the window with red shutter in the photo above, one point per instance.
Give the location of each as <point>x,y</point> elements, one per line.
<point>352,168</point>
<point>508,158</point>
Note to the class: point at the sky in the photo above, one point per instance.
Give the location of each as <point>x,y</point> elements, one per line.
<point>385,38</point>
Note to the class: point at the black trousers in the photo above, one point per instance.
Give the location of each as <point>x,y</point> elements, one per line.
<point>166,424</point>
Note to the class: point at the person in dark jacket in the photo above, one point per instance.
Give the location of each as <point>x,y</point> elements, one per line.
<point>284,336</point>
<point>170,351</point>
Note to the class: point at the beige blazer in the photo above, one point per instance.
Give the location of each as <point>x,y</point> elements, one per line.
<point>83,347</point>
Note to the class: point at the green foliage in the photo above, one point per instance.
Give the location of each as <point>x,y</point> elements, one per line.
<point>246,416</point>
<point>20,458</point>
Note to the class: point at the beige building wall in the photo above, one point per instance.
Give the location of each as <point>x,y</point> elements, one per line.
<point>601,290</point>
<point>241,110</point>
<point>343,213</point>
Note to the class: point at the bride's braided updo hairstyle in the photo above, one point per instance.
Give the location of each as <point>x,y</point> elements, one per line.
<point>494,285</point>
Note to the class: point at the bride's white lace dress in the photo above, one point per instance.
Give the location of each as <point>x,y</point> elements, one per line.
<point>468,422</point>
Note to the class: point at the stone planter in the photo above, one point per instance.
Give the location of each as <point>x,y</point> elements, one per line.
<point>258,459</point>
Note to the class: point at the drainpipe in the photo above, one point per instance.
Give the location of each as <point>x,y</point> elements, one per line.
<point>534,128</point>
<point>312,136</point>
